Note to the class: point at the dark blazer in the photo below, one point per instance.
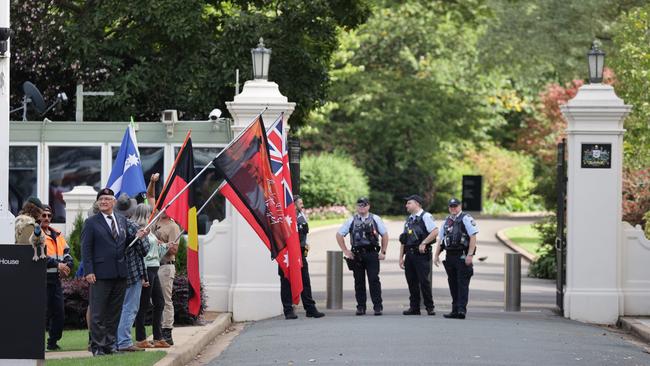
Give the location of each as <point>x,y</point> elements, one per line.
<point>101,253</point>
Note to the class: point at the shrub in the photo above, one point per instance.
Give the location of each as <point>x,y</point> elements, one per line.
<point>180,297</point>
<point>636,196</point>
<point>331,180</point>
<point>181,256</point>
<point>74,240</point>
<point>75,295</point>
<point>545,266</point>
<point>327,212</point>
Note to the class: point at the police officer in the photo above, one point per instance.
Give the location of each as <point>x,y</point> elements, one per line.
<point>419,233</point>
<point>363,258</point>
<point>458,239</point>
<point>285,287</point>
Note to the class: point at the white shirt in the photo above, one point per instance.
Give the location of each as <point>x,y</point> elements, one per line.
<point>109,222</point>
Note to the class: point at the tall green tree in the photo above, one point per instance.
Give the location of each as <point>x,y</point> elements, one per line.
<point>407,93</point>
<point>182,54</point>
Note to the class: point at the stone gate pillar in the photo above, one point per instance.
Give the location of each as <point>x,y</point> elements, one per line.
<point>255,284</point>
<point>595,158</point>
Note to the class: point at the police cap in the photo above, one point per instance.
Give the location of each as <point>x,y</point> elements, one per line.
<point>454,202</point>
<point>415,197</point>
<point>363,201</point>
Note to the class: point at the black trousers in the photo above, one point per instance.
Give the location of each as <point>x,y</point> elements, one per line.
<point>106,299</point>
<point>417,269</point>
<point>55,309</point>
<point>458,276</point>
<point>150,294</point>
<point>368,264</point>
<point>285,290</point>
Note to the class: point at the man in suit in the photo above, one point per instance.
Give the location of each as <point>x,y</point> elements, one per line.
<point>104,239</point>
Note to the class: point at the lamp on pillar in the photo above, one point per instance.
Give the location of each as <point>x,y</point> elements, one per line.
<point>261,59</point>
<point>294,164</point>
<point>596,58</point>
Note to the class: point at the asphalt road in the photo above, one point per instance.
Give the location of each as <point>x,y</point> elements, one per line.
<point>489,336</point>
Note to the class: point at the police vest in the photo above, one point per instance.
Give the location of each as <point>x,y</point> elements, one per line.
<point>364,233</point>
<point>56,248</point>
<point>303,229</point>
<point>456,237</point>
<point>415,230</point>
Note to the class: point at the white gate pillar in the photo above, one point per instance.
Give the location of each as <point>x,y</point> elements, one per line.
<point>595,158</point>
<point>255,287</point>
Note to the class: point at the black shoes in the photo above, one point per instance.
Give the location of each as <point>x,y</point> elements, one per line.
<point>291,315</point>
<point>314,314</point>
<point>378,311</point>
<point>361,311</point>
<point>167,336</point>
<point>53,347</point>
<point>411,312</point>
<point>455,315</point>
<point>431,311</point>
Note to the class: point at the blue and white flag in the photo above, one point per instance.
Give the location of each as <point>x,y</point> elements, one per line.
<point>126,176</point>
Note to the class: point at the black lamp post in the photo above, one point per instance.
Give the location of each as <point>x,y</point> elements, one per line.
<point>261,59</point>
<point>596,58</point>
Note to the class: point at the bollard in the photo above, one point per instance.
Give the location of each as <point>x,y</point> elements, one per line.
<point>512,282</point>
<point>334,279</point>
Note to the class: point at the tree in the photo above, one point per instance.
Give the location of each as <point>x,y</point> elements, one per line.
<point>631,62</point>
<point>178,54</point>
<point>406,93</point>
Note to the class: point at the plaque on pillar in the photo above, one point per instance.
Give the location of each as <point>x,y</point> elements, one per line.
<point>596,156</point>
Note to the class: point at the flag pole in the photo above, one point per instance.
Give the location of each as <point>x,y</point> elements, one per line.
<point>201,209</point>
<point>152,221</point>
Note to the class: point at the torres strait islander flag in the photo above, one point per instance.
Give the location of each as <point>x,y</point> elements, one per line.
<point>253,189</point>
<point>183,211</point>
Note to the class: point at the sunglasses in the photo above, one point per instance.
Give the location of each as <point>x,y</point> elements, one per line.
<point>46,215</point>
<point>362,204</point>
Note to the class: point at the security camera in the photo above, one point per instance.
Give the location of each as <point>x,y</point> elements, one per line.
<point>215,114</point>
<point>5,33</point>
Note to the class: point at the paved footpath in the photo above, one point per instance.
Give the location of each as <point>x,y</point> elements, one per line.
<point>489,336</point>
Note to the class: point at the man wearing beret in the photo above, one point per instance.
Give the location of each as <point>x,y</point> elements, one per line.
<point>104,239</point>
<point>458,240</point>
<point>419,233</point>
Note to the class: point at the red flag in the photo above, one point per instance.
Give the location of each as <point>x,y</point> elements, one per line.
<point>291,257</point>
<point>245,165</point>
<point>182,173</point>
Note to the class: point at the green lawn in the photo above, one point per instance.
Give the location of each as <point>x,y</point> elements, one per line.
<point>77,340</point>
<point>524,236</point>
<point>124,359</point>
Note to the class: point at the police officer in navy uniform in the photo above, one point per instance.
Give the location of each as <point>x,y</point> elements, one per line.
<point>419,233</point>
<point>285,287</point>
<point>458,239</point>
<point>365,229</point>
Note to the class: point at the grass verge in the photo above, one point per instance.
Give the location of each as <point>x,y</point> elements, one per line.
<point>524,236</point>
<point>147,358</point>
<point>77,340</point>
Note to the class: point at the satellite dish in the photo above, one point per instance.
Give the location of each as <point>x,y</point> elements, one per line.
<point>35,96</point>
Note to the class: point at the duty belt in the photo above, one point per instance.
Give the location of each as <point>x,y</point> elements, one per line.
<point>366,249</point>
<point>414,249</point>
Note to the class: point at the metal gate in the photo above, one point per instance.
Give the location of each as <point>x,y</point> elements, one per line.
<point>560,235</point>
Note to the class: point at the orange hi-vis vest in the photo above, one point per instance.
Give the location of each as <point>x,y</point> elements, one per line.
<point>56,249</point>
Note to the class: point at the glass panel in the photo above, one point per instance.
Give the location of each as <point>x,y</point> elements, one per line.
<point>72,166</point>
<point>22,175</point>
<point>153,161</point>
<point>204,186</point>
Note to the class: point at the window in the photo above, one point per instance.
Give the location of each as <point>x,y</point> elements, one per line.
<point>153,161</point>
<point>23,164</point>
<point>205,185</point>
<point>71,166</point>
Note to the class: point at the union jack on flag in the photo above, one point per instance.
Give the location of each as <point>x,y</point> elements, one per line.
<point>277,149</point>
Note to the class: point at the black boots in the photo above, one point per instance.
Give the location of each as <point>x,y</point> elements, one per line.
<point>167,336</point>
